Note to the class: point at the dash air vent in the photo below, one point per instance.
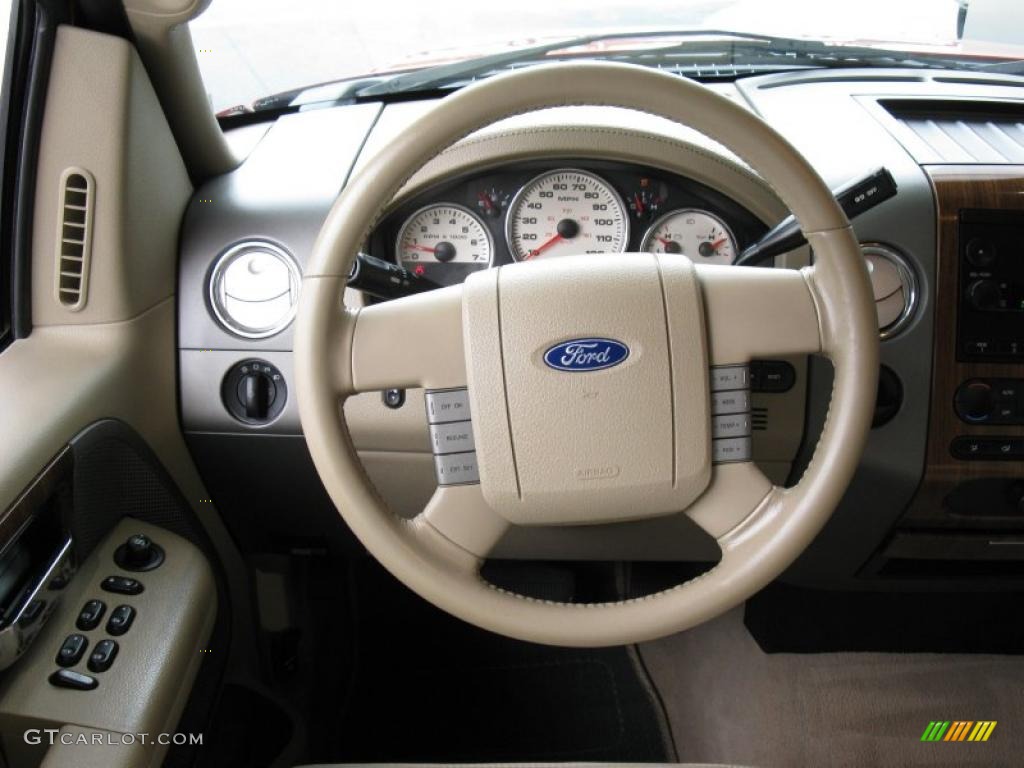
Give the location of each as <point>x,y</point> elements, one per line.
<point>74,238</point>
<point>958,130</point>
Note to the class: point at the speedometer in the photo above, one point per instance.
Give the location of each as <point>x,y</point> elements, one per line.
<point>441,235</point>
<point>566,212</point>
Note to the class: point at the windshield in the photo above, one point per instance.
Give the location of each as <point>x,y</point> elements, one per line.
<point>250,49</point>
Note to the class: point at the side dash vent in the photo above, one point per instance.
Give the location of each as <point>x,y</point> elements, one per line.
<point>74,238</point>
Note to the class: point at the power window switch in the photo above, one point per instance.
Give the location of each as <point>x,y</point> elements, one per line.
<point>72,650</point>
<point>103,655</point>
<point>122,585</point>
<point>90,615</point>
<point>120,620</point>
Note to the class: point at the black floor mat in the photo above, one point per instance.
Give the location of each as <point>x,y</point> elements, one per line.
<point>430,688</point>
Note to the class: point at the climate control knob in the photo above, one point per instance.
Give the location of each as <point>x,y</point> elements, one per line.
<point>975,401</point>
<point>984,294</point>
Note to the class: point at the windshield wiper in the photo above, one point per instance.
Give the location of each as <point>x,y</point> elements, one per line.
<point>733,49</point>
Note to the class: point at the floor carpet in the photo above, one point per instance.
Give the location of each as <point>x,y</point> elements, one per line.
<point>728,701</point>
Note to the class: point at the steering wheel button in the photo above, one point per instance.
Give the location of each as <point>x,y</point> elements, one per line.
<point>730,449</point>
<point>456,469</point>
<point>737,401</point>
<point>728,377</point>
<point>453,437</point>
<point>447,405</point>
<point>734,425</point>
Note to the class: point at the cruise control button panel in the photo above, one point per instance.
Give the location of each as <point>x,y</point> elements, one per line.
<point>451,436</point>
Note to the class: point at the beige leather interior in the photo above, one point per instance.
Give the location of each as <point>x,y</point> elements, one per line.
<point>145,690</point>
<point>165,44</point>
<point>111,358</point>
<point>386,438</point>
<point>754,551</point>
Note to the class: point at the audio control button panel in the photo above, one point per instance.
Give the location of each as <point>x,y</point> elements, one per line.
<point>990,316</point>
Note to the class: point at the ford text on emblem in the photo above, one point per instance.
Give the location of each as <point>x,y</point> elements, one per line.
<point>586,354</point>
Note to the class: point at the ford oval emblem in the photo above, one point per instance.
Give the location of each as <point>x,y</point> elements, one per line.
<point>586,355</point>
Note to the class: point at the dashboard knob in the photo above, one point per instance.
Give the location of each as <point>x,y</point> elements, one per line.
<point>975,401</point>
<point>257,392</point>
<point>254,392</point>
<point>138,550</point>
<point>139,553</point>
<point>984,294</point>
<point>981,253</point>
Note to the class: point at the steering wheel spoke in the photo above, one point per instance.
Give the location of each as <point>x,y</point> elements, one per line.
<point>461,515</point>
<point>758,312</point>
<point>735,491</point>
<point>411,342</point>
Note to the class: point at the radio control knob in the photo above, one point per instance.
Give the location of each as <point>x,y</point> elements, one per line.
<point>975,401</point>
<point>984,294</point>
<point>981,253</point>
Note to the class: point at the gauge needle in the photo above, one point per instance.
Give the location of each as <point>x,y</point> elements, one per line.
<point>488,205</point>
<point>422,248</point>
<point>664,241</point>
<point>639,204</point>
<point>714,245</point>
<point>542,247</point>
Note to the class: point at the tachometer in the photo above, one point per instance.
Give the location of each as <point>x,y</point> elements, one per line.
<point>566,212</point>
<point>700,235</point>
<point>443,234</point>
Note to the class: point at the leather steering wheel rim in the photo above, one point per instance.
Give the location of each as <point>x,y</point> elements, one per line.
<point>334,357</point>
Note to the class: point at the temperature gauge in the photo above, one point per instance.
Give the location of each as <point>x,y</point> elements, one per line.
<point>700,235</point>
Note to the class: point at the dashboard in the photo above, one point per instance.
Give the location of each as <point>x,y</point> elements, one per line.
<point>541,210</point>
<point>938,482</point>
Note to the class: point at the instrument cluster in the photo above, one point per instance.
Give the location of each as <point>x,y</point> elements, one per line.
<point>543,211</point>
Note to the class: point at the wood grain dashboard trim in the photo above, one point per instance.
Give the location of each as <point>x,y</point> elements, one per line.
<point>957,188</point>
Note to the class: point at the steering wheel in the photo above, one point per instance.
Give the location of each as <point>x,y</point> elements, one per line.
<point>614,429</point>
